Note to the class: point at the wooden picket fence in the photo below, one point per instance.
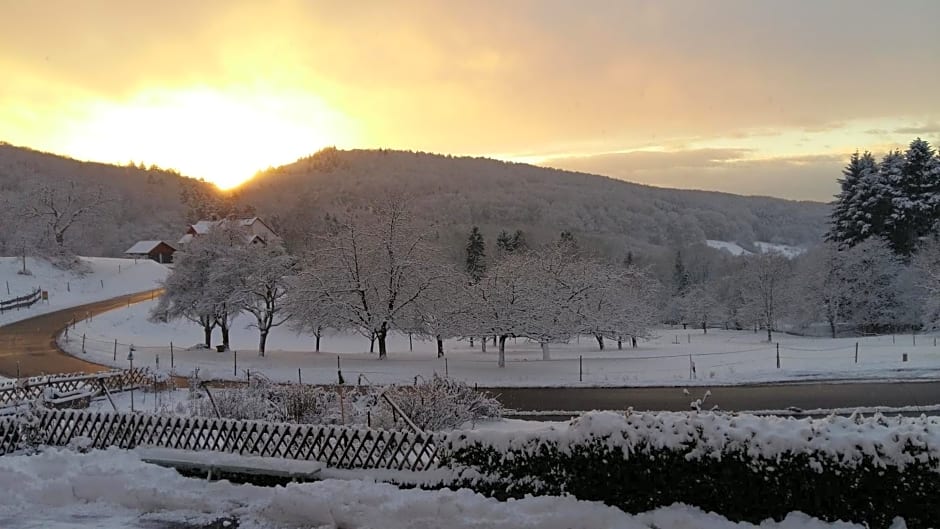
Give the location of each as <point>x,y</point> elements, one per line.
<point>335,446</point>
<point>21,302</point>
<point>24,390</point>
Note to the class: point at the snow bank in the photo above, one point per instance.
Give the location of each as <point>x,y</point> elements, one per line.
<point>106,278</point>
<point>114,488</point>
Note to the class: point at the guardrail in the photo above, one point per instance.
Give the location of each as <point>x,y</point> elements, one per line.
<point>21,302</point>
<point>335,446</point>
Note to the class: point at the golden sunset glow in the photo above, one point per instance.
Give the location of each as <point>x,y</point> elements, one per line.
<point>705,95</point>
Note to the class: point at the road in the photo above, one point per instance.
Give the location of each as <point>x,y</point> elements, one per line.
<point>732,398</point>
<point>28,347</point>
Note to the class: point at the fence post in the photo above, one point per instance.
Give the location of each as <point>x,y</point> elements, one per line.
<point>68,286</point>
<point>690,338</point>
<point>914,339</point>
<point>17,369</point>
<point>8,288</point>
<point>157,360</point>
<point>446,372</point>
<point>115,350</point>
<point>580,368</point>
<point>299,379</point>
<point>856,352</point>
<point>235,363</point>
<point>83,343</point>
<point>339,371</point>
<point>691,368</point>
<point>102,282</point>
<point>778,355</point>
<point>171,356</point>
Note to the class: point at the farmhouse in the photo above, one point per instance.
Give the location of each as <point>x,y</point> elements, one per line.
<point>159,251</point>
<point>258,231</point>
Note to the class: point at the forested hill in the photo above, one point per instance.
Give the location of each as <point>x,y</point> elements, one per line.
<point>140,203</point>
<point>458,192</point>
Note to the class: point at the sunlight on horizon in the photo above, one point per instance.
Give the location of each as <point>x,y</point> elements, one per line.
<point>224,137</point>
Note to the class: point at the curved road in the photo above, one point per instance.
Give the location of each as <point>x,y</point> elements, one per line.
<point>30,346</point>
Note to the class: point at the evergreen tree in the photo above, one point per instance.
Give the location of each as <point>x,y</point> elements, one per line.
<point>851,220</point>
<point>504,245</point>
<point>915,197</point>
<point>476,255</point>
<point>519,243</point>
<point>680,276</point>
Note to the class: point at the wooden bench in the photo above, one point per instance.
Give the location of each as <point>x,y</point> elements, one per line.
<point>233,467</point>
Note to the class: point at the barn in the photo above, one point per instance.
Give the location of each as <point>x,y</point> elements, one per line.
<point>159,251</point>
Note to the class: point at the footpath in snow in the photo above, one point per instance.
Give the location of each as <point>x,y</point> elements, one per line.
<point>105,278</point>
<point>673,357</point>
<point>114,489</point>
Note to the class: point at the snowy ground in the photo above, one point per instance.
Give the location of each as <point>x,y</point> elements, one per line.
<point>108,278</point>
<point>114,489</point>
<point>720,357</point>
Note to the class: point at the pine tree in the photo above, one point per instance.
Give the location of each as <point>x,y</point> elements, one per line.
<point>914,202</point>
<point>504,244</point>
<point>476,255</point>
<point>850,221</point>
<point>680,276</point>
<point>519,243</point>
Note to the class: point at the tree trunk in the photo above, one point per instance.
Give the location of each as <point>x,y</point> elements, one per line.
<point>471,341</point>
<point>546,353</point>
<point>317,335</point>
<point>263,339</point>
<point>440,347</point>
<point>483,344</point>
<point>704,327</point>
<point>207,331</point>
<point>685,326</point>
<point>380,336</point>
<point>502,350</point>
<point>619,343</point>
<point>372,342</point>
<point>494,340</point>
<point>600,341</point>
<point>769,337</point>
<point>832,327</point>
<point>633,340</point>
<point>225,342</point>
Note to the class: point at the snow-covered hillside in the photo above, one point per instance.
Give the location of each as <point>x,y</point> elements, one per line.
<point>105,278</point>
<point>735,249</point>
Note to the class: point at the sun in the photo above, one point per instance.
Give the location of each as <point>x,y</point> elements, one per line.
<point>224,136</point>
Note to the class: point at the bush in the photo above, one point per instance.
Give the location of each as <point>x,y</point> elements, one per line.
<point>746,468</point>
<point>438,404</point>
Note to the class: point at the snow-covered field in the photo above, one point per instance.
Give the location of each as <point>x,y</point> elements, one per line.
<point>736,249</point>
<point>107,278</point>
<point>719,357</point>
<point>114,489</point>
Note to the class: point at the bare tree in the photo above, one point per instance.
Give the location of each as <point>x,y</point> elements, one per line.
<point>369,270</point>
<point>262,274</point>
<point>764,279</point>
<point>59,208</point>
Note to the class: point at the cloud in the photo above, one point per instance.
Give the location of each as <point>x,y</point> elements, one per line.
<point>805,177</point>
<point>929,128</point>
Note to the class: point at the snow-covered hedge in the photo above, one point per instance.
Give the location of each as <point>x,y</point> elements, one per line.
<point>741,466</point>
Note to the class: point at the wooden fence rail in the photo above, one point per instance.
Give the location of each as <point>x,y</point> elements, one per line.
<point>21,302</point>
<point>335,446</point>
<point>28,389</point>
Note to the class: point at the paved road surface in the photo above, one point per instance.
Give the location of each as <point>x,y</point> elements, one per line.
<point>30,344</point>
<point>732,398</point>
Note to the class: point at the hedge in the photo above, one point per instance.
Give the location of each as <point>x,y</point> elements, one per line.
<point>746,468</point>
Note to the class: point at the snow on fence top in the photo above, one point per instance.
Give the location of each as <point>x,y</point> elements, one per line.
<point>847,440</point>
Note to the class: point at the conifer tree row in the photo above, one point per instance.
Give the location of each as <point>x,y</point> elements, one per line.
<point>897,199</point>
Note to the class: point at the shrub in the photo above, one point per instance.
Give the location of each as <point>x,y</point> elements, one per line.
<point>437,404</point>
<point>746,468</point>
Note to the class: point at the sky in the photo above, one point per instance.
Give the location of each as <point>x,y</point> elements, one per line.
<point>750,96</point>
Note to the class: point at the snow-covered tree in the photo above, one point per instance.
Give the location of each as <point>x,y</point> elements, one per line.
<point>824,284</point>
<point>879,299</point>
<point>927,265</point>
<point>443,312</point>
<point>622,303</point>
<point>855,215</point>
<point>262,275</point>
<point>698,306</point>
<point>764,279</point>
<point>58,208</point>
<point>369,270</point>
<point>916,197</point>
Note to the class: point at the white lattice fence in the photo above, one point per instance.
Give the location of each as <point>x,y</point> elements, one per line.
<point>337,447</point>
